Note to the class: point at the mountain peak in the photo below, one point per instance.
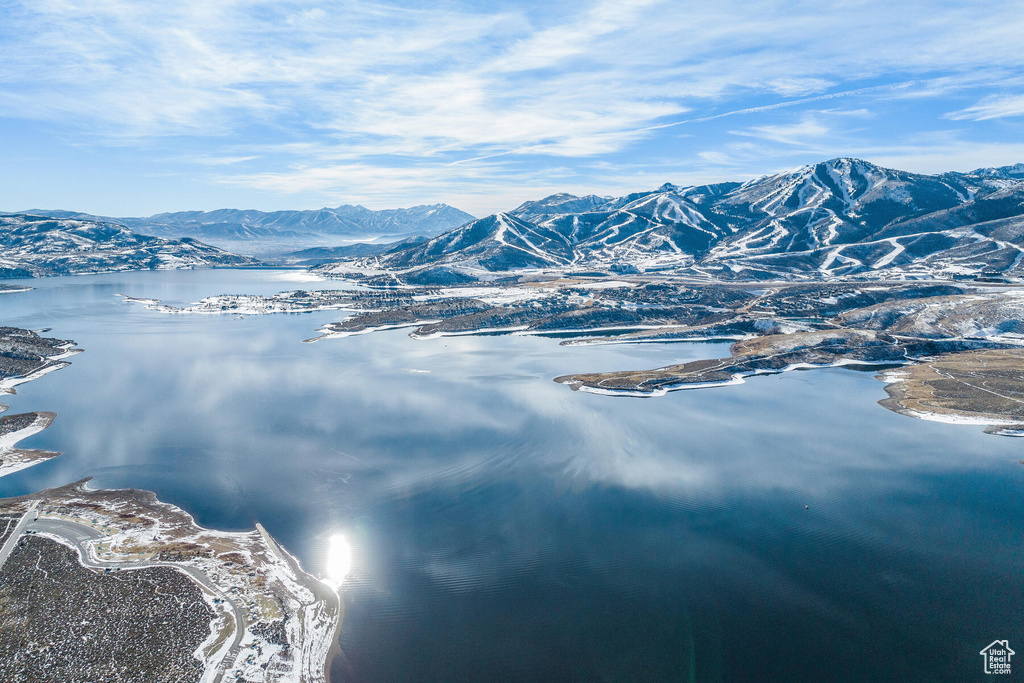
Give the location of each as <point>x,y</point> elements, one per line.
<point>849,165</point>
<point>842,161</point>
<point>557,204</point>
<point>1012,172</point>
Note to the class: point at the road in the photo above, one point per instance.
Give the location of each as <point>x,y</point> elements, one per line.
<point>80,534</point>
<point>12,541</point>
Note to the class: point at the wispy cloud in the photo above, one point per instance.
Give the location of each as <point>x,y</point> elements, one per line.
<point>314,97</point>
<point>207,160</point>
<point>993,107</point>
<point>808,130</point>
<point>890,87</point>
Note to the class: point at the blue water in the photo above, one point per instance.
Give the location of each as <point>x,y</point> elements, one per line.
<point>506,528</point>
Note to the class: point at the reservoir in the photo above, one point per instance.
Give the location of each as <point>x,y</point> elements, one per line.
<point>504,527</point>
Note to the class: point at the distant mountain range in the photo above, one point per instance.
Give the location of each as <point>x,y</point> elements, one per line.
<point>837,218</point>
<point>251,231</point>
<point>36,246</point>
<point>315,256</point>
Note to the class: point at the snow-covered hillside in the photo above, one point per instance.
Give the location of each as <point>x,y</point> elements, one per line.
<point>275,232</point>
<point>842,217</point>
<point>498,242</point>
<point>35,246</point>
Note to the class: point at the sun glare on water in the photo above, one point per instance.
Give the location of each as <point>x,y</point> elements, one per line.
<point>339,560</point>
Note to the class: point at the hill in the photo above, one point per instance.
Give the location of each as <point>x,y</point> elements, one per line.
<point>37,246</point>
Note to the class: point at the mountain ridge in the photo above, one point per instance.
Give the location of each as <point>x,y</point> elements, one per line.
<point>837,218</point>
<point>39,246</point>
<point>284,230</point>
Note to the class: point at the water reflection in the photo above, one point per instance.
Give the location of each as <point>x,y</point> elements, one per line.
<point>507,528</point>
<point>339,560</point>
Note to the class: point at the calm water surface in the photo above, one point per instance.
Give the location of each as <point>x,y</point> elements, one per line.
<point>506,528</point>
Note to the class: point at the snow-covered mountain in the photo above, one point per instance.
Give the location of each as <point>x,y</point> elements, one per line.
<point>842,217</point>
<point>662,224</point>
<point>557,205</point>
<point>847,216</point>
<point>649,226</point>
<point>348,220</point>
<point>498,242</point>
<point>1014,172</point>
<point>840,201</point>
<point>838,218</point>
<point>35,246</point>
<point>251,231</point>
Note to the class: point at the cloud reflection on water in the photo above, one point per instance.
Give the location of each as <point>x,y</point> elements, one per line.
<point>516,498</point>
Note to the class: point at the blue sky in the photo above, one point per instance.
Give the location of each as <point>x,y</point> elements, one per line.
<point>130,107</point>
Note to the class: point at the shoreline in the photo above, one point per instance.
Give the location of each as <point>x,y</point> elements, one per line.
<point>14,459</point>
<point>331,334</point>
<point>7,385</point>
<point>264,586</point>
<point>968,388</point>
<point>737,378</point>
<point>33,346</point>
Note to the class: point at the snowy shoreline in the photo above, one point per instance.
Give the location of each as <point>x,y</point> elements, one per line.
<point>260,587</point>
<point>13,459</point>
<point>737,378</point>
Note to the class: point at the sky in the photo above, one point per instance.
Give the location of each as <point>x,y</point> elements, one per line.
<point>132,107</point>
